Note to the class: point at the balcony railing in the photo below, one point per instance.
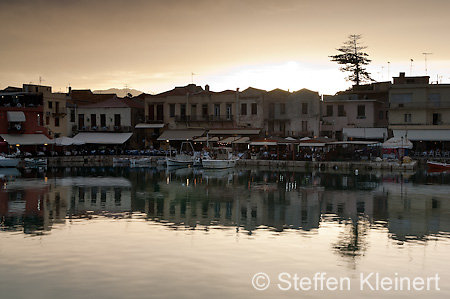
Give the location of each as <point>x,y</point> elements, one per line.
<point>427,105</point>
<point>104,129</point>
<point>189,118</point>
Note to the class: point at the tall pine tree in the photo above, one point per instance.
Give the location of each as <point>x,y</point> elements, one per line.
<point>353,60</point>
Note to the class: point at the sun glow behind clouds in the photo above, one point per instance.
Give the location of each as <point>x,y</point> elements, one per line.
<point>289,75</point>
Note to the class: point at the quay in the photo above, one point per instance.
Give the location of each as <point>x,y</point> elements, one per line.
<point>107,160</point>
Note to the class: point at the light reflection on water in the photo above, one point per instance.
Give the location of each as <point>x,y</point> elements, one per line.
<point>145,233</point>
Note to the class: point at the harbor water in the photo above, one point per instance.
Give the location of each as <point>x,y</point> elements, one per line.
<point>121,232</point>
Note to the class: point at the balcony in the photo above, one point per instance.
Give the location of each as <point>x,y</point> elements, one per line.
<point>421,105</point>
<point>200,118</point>
<point>105,129</point>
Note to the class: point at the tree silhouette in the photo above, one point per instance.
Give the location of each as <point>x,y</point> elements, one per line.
<point>353,59</point>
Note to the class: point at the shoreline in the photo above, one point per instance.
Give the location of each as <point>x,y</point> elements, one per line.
<point>276,164</point>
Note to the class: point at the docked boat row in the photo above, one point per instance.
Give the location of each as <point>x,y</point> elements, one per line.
<point>438,166</point>
<point>13,162</point>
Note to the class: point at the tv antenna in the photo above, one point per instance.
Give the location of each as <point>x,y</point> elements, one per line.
<point>426,65</point>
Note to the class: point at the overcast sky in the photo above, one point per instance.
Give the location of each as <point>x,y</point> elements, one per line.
<point>155,45</point>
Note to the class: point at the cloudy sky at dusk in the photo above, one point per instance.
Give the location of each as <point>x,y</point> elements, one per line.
<point>155,45</point>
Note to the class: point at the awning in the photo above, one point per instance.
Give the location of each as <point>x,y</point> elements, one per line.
<point>357,142</point>
<point>234,131</point>
<point>26,139</point>
<point>15,116</point>
<point>102,138</point>
<point>205,139</point>
<point>366,133</point>
<point>180,134</point>
<point>65,141</point>
<point>424,135</point>
<point>229,140</point>
<point>149,126</point>
<point>264,142</point>
<point>242,140</point>
<point>312,144</point>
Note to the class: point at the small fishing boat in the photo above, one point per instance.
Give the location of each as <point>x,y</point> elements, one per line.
<point>220,158</point>
<point>9,162</point>
<point>437,166</point>
<point>184,159</point>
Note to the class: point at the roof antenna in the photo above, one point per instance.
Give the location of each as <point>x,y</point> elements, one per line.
<point>426,66</point>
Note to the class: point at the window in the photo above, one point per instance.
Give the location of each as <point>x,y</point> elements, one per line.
<point>205,110</point>
<point>271,126</point>
<point>437,119</point>
<point>160,112</point>
<point>117,120</point>
<point>56,121</point>
<point>151,112</point>
<point>435,99</point>
<point>57,107</point>
<point>72,115</point>
<point>271,110</point>
<point>50,104</point>
<point>282,127</point>
<point>361,111</point>
<point>407,117</point>
<point>304,108</point>
<point>254,108</point>
<point>93,120</point>
<point>229,112</point>
<point>381,114</point>
<point>401,98</point>
<point>304,125</point>
<point>81,120</point>
<point>216,110</point>
<point>183,110</point>
<point>341,111</point>
<point>243,109</point>
<point>193,111</point>
<point>103,120</point>
<point>47,120</point>
<point>172,110</point>
<point>282,110</point>
<point>387,114</point>
<point>329,110</point>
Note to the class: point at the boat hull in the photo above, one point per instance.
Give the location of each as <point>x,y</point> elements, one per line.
<point>437,166</point>
<point>218,164</point>
<point>9,162</point>
<point>175,162</point>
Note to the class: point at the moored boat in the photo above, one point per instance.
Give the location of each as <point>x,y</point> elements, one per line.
<point>219,159</point>
<point>9,162</point>
<point>438,166</point>
<point>183,159</point>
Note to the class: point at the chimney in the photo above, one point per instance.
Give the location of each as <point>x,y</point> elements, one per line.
<point>402,75</point>
<point>207,88</point>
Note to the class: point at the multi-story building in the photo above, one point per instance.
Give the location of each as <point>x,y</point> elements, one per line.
<point>304,113</point>
<point>21,117</point>
<point>420,111</point>
<point>361,113</point>
<point>115,115</point>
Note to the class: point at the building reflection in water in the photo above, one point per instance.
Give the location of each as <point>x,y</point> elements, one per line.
<point>248,200</point>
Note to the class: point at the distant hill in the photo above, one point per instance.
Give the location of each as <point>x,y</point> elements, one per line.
<point>120,92</point>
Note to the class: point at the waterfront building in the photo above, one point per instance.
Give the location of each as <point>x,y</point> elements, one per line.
<point>111,121</point>
<point>360,113</point>
<point>21,118</point>
<point>420,112</point>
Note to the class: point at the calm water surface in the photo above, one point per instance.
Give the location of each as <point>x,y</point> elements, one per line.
<point>192,233</point>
